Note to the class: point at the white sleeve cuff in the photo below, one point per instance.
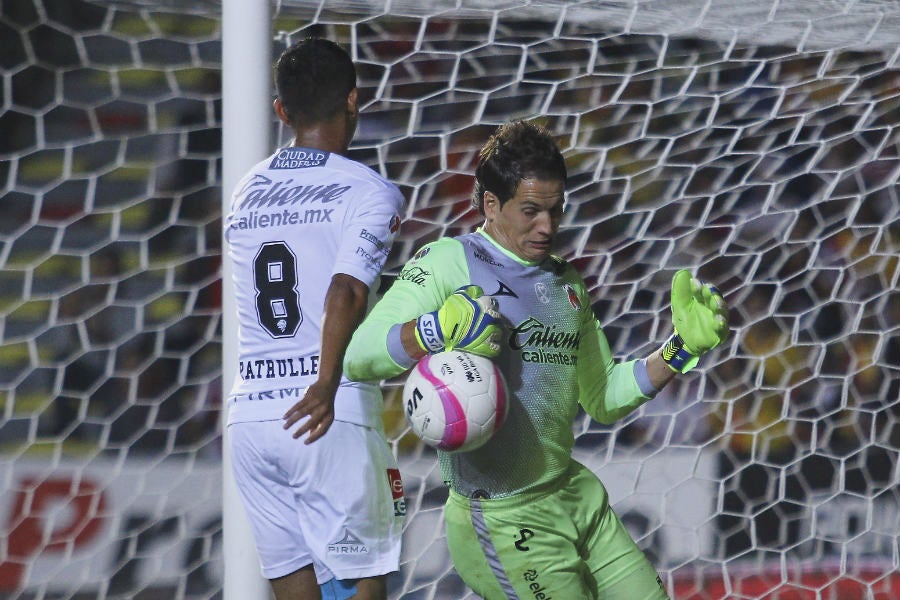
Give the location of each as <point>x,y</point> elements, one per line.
<point>395,347</point>
<point>643,379</point>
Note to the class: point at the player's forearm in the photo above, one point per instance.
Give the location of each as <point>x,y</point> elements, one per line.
<point>345,307</point>
<point>658,372</point>
<point>369,356</point>
<point>625,391</point>
<point>617,396</point>
<point>408,339</point>
<point>608,390</point>
<point>385,344</point>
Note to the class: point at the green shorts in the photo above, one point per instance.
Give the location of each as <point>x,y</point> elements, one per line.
<point>563,542</point>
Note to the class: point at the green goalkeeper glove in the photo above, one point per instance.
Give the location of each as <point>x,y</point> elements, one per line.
<point>700,318</point>
<point>467,321</point>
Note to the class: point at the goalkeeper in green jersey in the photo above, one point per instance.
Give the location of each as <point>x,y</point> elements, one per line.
<point>523,518</point>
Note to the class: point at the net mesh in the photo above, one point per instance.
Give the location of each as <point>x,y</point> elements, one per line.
<point>753,143</point>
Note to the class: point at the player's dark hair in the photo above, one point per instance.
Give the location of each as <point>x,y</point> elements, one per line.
<point>517,150</point>
<point>312,79</point>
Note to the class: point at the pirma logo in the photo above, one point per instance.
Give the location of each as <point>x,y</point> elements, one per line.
<point>349,544</point>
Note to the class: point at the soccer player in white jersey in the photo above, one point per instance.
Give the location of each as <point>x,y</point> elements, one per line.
<point>309,232</point>
<point>523,518</point>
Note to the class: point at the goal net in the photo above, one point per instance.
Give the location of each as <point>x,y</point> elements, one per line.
<point>755,143</point>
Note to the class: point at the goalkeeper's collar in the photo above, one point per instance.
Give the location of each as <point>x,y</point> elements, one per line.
<point>501,248</point>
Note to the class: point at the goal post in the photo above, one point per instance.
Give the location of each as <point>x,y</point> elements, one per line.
<point>755,143</point>
<point>246,139</point>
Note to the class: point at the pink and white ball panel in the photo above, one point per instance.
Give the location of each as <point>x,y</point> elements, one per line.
<point>455,401</point>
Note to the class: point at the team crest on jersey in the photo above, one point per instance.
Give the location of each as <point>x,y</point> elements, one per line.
<point>422,252</point>
<point>542,293</point>
<point>573,297</point>
<point>394,225</point>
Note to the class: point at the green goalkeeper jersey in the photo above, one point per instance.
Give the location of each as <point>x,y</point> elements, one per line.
<point>554,356</point>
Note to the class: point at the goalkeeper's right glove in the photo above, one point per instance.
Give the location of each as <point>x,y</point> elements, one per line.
<point>468,321</point>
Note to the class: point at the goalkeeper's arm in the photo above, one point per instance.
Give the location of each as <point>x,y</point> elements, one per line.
<point>700,320</point>
<point>467,320</point>
<point>425,311</point>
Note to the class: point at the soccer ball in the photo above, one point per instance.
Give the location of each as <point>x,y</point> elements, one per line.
<point>455,401</point>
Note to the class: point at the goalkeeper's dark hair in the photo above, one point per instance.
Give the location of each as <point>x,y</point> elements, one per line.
<point>313,79</point>
<point>517,150</point>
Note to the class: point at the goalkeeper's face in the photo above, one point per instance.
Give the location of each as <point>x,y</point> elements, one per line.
<point>527,223</point>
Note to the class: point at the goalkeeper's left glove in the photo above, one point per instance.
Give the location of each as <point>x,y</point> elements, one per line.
<point>700,318</point>
<point>468,321</point>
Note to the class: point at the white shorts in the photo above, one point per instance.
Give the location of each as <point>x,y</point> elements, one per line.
<point>336,503</point>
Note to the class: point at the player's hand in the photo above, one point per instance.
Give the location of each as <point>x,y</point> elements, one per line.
<point>468,321</point>
<point>318,405</point>
<point>700,318</point>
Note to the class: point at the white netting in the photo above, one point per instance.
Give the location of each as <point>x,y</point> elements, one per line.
<point>110,355</point>
<point>755,143</point>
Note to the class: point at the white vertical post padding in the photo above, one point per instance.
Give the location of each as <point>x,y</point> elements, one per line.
<point>246,139</point>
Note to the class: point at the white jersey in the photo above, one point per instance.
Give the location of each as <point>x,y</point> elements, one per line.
<point>298,218</point>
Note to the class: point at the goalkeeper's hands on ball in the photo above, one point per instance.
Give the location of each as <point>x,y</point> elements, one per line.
<point>700,319</point>
<point>468,321</point>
